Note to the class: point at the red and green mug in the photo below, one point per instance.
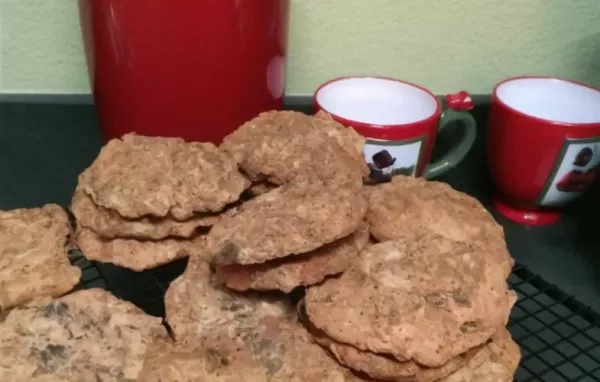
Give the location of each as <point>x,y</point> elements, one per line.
<point>400,121</point>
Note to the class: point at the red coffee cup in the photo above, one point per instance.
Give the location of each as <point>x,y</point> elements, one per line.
<point>400,121</point>
<point>543,146</point>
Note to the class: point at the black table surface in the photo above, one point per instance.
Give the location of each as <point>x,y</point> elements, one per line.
<point>43,147</point>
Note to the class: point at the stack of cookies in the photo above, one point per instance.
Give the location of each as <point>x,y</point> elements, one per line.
<point>293,236</point>
<point>410,310</point>
<point>312,226</point>
<point>429,301</point>
<point>144,201</point>
<point>305,223</point>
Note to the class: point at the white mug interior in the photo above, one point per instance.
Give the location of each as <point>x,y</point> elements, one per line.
<point>377,101</point>
<point>551,99</point>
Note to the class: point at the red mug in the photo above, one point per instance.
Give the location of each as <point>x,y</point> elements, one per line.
<point>400,121</point>
<point>543,146</point>
<point>195,69</point>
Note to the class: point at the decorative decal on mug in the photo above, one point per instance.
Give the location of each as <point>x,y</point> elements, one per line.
<point>576,168</point>
<point>388,158</point>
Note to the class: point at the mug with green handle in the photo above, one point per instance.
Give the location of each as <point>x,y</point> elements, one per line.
<point>400,122</point>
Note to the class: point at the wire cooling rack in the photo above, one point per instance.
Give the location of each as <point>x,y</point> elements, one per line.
<point>559,337</point>
<point>144,289</point>
<point>90,276</point>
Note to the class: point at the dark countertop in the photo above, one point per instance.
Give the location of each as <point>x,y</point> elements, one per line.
<point>44,147</point>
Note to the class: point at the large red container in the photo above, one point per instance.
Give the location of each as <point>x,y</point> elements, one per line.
<point>195,69</point>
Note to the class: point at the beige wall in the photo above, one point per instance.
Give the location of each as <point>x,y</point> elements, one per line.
<point>444,45</point>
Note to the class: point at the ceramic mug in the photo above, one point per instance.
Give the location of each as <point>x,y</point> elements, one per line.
<point>543,145</point>
<point>400,121</point>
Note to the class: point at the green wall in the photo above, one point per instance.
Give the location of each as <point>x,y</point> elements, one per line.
<point>444,45</point>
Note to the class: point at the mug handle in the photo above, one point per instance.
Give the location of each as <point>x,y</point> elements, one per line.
<point>458,106</point>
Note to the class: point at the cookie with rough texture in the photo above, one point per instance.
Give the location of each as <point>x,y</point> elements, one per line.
<point>346,137</point>
<point>236,337</point>
<point>33,256</point>
<point>427,300</point>
<point>497,363</point>
<point>289,272</point>
<point>379,366</point>
<point>407,207</point>
<point>218,360</point>
<point>109,224</point>
<point>281,146</point>
<point>293,219</point>
<point>137,255</point>
<point>138,176</point>
<point>89,335</point>
<point>197,304</point>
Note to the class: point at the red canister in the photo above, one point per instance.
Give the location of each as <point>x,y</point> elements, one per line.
<point>195,69</point>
